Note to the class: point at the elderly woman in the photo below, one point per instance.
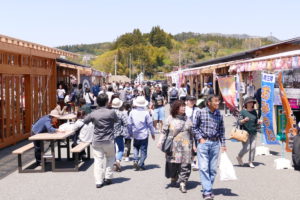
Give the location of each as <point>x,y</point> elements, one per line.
<point>249,121</point>
<point>178,164</point>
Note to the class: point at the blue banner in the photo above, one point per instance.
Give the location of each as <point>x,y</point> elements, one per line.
<point>267,96</point>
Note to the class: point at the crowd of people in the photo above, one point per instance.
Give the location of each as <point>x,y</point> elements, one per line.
<point>115,116</point>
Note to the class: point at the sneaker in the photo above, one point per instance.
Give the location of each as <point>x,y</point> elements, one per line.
<point>240,161</point>
<point>135,165</point>
<point>127,159</point>
<point>99,185</point>
<point>182,187</point>
<point>251,165</point>
<point>107,181</point>
<point>194,167</point>
<point>207,197</point>
<point>117,166</point>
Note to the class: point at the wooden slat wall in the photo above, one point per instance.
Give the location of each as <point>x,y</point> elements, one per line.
<point>27,92</point>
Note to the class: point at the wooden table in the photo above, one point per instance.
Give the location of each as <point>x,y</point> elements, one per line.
<point>69,116</point>
<point>52,137</point>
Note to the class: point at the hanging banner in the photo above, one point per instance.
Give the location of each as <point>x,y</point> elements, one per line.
<point>267,96</point>
<point>228,91</point>
<point>290,129</point>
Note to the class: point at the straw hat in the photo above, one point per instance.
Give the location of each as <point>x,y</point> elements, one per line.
<point>116,103</point>
<point>140,101</point>
<point>54,113</point>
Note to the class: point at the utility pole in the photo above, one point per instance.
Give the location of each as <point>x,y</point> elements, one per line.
<point>179,60</point>
<point>115,65</point>
<point>130,66</point>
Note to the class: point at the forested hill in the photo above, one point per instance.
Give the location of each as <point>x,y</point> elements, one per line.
<point>158,51</point>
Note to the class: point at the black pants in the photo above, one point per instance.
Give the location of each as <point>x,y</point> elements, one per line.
<point>178,171</point>
<point>37,151</point>
<point>128,146</point>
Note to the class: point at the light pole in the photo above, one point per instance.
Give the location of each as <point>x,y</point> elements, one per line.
<point>115,65</point>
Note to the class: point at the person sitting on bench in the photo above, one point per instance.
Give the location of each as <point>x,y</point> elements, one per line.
<point>45,124</point>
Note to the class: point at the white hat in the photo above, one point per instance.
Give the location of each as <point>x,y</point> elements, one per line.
<point>54,113</point>
<point>140,101</point>
<point>117,103</point>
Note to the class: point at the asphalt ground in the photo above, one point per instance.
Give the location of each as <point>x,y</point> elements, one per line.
<point>262,183</point>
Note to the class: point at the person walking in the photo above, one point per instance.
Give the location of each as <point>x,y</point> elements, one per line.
<point>182,93</point>
<point>61,92</point>
<point>159,109</point>
<point>248,121</point>
<point>173,94</point>
<point>208,127</point>
<point>103,141</point>
<point>178,163</point>
<point>190,111</point>
<point>127,149</point>
<point>120,131</point>
<point>88,97</point>
<point>139,125</point>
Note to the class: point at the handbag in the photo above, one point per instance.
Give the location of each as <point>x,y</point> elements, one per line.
<point>167,141</point>
<point>238,134</point>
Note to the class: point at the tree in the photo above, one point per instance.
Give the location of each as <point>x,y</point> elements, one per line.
<point>159,38</point>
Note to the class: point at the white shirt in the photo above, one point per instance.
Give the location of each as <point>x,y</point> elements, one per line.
<point>61,93</point>
<point>182,92</point>
<point>87,98</point>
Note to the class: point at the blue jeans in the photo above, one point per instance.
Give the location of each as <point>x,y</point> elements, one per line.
<point>120,143</point>
<point>208,154</point>
<point>140,146</point>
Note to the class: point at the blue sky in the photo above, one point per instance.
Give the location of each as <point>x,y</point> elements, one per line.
<point>60,22</point>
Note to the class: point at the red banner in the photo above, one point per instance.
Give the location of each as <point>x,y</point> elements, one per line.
<point>228,90</point>
<point>290,129</point>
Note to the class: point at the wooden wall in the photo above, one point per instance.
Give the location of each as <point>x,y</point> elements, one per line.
<point>27,92</point>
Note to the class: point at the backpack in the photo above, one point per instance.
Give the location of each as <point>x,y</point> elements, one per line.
<point>174,94</point>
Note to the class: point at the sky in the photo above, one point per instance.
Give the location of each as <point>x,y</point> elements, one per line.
<point>65,22</point>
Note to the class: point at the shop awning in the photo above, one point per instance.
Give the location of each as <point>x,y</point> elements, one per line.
<point>282,61</point>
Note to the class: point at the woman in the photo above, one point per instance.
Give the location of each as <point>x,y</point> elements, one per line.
<point>83,132</point>
<point>120,131</point>
<point>178,164</point>
<point>89,97</point>
<point>248,121</point>
<point>60,93</point>
<point>182,92</point>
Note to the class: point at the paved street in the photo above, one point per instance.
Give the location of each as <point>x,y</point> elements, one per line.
<point>263,182</point>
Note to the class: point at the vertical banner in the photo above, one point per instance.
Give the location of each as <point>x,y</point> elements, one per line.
<point>290,129</point>
<point>228,90</point>
<point>267,96</point>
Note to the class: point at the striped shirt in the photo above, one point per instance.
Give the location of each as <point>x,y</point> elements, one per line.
<point>207,124</point>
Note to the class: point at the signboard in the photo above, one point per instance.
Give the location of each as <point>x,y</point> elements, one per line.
<point>267,96</point>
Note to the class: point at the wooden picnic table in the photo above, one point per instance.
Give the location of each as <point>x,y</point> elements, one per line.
<point>69,116</point>
<point>52,137</point>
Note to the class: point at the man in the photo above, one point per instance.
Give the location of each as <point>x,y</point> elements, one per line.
<point>44,125</point>
<point>139,125</point>
<point>158,105</point>
<point>147,91</point>
<point>103,141</point>
<point>211,89</point>
<point>208,127</point>
<point>190,110</point>
<point>205,90</point>
<point>173,94</point>
<point>165,91</point>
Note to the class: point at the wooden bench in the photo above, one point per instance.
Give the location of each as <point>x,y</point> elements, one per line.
<point>20,151</point>
<point>79,148</point>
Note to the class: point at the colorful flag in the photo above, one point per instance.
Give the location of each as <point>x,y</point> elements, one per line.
<point>228,90</point>
<point>290,129</point>
<point>267,96</point>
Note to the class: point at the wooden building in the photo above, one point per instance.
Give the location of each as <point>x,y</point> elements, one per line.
<point>27,86</point>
